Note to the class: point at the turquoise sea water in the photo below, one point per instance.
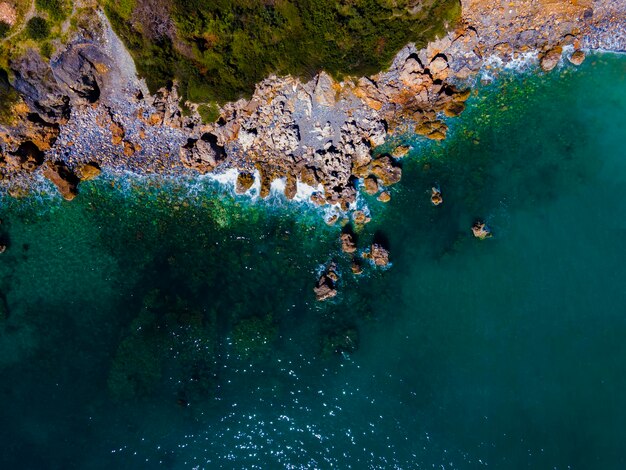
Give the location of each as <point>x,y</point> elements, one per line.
<point>169,325</point>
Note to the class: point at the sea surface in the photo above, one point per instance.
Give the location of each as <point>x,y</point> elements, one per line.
<point>169,324</point>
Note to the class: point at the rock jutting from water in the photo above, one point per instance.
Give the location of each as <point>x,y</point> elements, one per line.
<point>86,106</point>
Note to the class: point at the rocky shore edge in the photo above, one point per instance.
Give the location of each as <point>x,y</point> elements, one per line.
<point>86,110</point>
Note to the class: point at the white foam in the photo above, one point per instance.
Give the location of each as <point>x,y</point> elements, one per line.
<point>228,177</point>
<point>521,63</point>
<point>304,191</point>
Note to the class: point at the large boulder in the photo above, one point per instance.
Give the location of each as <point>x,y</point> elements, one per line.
<point>577,57</point>
<point>378,255</point>
<point>203,154</point>
<point>551,58</point>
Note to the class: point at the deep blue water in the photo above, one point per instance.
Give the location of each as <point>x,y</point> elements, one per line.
<point>171,325</point>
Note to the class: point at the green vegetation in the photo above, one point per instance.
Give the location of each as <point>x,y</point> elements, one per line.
<point>37,28</point>
<point>56,9</point>
<point>4,29</point>
<point>209,112</point>
<point>219,49</point>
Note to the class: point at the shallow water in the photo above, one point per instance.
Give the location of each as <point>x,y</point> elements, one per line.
<point>170,325</point>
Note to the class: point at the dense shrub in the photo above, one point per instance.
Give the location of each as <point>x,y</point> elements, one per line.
<point>221,48</point>
<point>4,29</point>
<point>57,9</point>
<point>37,28</point>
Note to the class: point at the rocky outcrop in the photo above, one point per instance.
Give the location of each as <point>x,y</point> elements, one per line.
<point>377,255</point>
<point>551,58</point>
<point>435,196</point>
<point>348,243</point>
<point>480,230</point>
<point>88,171</point>
<point>83,69</point>
<point>63,178</point>
<point>577,57</point>
<point>325,287</point>
<point>202,154</point>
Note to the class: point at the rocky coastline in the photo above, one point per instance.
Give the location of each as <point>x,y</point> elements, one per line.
<point>86,110</point>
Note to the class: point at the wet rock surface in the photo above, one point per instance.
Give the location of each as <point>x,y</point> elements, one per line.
<point>378,255</point>
<point>325,287</point>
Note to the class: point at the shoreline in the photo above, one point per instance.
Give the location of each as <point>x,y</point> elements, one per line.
<point>322,134</point>
<point>225,179</point>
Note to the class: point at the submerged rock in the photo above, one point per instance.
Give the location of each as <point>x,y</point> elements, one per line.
<point>344,341</point>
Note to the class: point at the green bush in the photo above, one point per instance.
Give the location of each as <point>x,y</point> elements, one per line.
<point>4,29</point>
<point>56,9</point>
<point>37,28</point>
<point>209,113</point>
<point>222,48</point>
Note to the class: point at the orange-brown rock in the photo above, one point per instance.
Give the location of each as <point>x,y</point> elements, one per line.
<point>454,108</point>
<point>308,177</point>
<point>130,148</point>
<point>325,287</point>
<point>386,171</point>
<point>348,245</point>
<point>356,267</point>
<point>117,133</point>
<point>384,197</point>
<point>400,151</point>
<point>88,171</point>
<point>360,218</point>
<point>435,196</point>
<point>551,58</point>
<point>577,57</point>
<point>370,185</point>
<point>291,186</point>
<point>480,230</point>
<point>378,255</point>
<point>63,178</point>
<point>318,198</point>
<point>244,182</point>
